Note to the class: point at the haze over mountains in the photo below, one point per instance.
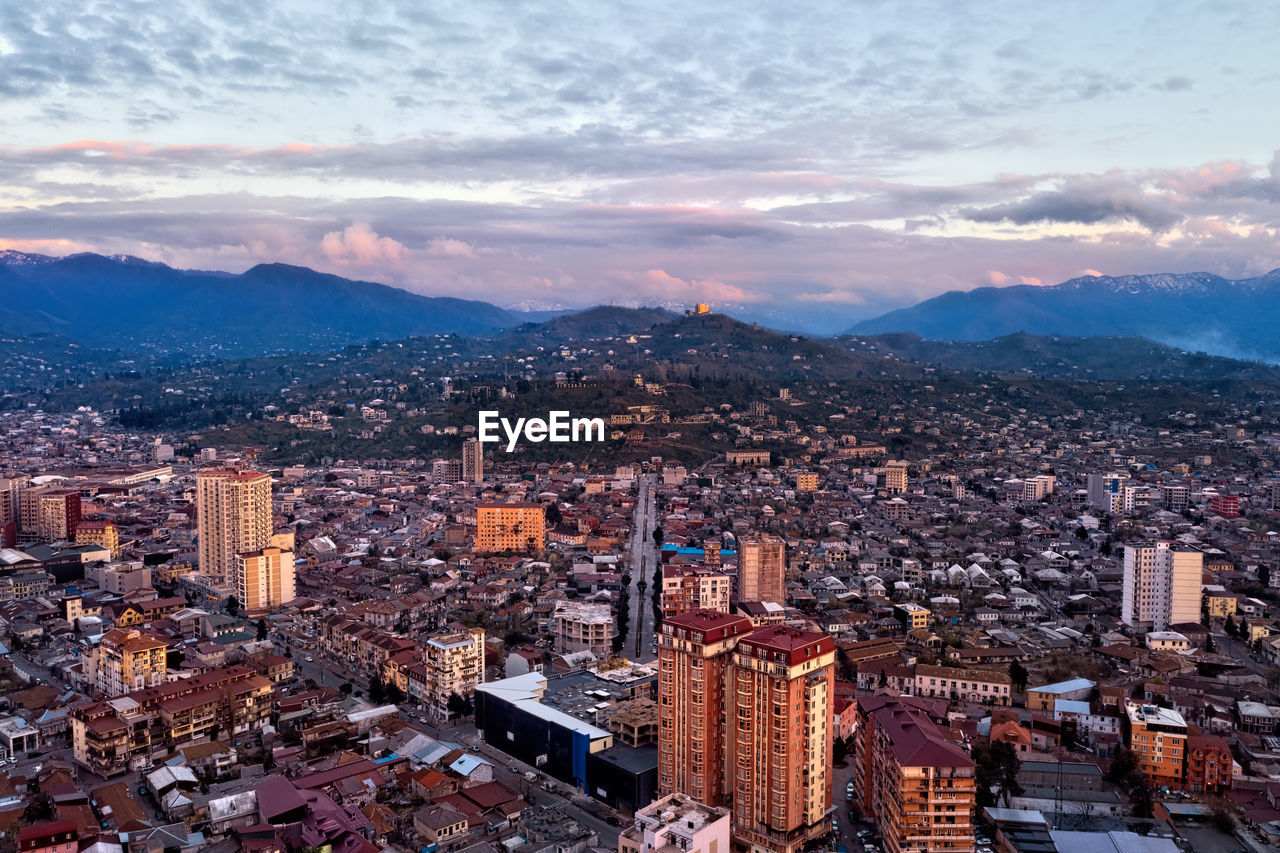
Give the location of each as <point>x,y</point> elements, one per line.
<point>1192,311</point>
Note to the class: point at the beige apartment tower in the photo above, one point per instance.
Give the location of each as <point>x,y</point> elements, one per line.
<point>782,693</point>
<point>762,570</point>
<point>1161,586</point>
<point>233,516</point>
<point>472,461</point>
<point>264,580</point>
<point>895,476</point>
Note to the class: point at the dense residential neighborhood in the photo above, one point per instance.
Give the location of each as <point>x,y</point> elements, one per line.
<point>1071,623</point>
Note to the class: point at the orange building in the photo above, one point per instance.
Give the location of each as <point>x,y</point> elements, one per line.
<point>918,783</point>
<point>693,655</point>
<point>1209,765</point>
<point>514,526</point>
<point>1158,739</point>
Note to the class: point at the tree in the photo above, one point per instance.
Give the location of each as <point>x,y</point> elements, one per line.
<point>262,629</point>
<point>394,694</point>
<point>1018,675</point>
<point>1264,575</point>
<point>997,773</point>
<point>459,705</point>
<point>1123,765</point>
<point>839,749</point>
<point>346,688</point>
<point>377,690</point>
<point>658,536</point>
<point>233,606</point>
<point>1230,626</point>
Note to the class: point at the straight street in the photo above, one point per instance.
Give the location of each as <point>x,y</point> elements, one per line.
<point>644,558</point>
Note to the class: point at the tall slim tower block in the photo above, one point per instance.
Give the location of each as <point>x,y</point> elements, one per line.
<point>694,650</point>
<point>233,516</point>
<point>762,570</point>
<point>782,689</point>
<point>744,717</point>
<point>1161,586</point>
<point>473,461</point>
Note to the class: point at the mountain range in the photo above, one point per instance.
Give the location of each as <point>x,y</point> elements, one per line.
<point>1191,311</point>
<point>136,305</point>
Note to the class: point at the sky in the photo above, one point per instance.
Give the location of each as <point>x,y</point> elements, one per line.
<point>817,163</point>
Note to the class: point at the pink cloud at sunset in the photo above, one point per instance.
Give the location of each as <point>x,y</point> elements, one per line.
<point>1000,279</point>
<point>360,245</point>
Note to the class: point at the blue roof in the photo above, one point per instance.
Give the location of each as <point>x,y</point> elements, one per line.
<point>1071,706</point>
<point>695,551</point>
<point>464,765</point>
<point>1065,686</point>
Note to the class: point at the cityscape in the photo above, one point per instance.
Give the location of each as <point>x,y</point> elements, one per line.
<point>572,427</point>
<point>962,628</point>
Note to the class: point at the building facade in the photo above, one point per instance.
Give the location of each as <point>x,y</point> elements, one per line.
<point>686,589</point>
<point>454,665</point>
<point>745,716</point>
<point>918,784</point>
<point>102,533</point>
<point>125,660</point>
<point>580,626</point>
<point>694,651</point>
<point>781,690</point>
<point>1158,739</point>
<point>1161,586</point>
<point>233,516</point>
<point>895,476</point>
<point>49,513</point>
<point>519,527</point>
<point>473,461</point>
<point>677,822</point>
<point>265,580</point>
<point>762,569</point>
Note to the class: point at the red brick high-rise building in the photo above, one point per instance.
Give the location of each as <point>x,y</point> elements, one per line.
<point>694,650</point>
<point>745,716</point>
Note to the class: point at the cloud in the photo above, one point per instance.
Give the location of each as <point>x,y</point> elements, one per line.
<point>1087,201</point>
<point>1000,279</point>
<point>833,296</point>
<point>360,245</point>
<point>1176,83</point>
<point>443,247</point>
<point>660,285</point>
